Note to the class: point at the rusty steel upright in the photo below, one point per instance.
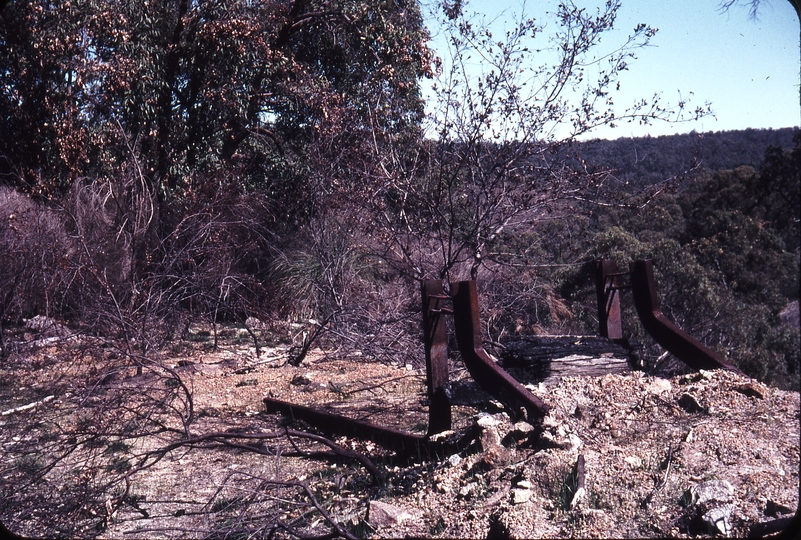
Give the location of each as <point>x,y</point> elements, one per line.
<point>607,285</point>
<point>673,339</point>
<point>480,365</point>
<point>436,346</point>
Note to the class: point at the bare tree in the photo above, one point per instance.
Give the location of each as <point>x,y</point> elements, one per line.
<point>494,162</point>
<point>753,6</point>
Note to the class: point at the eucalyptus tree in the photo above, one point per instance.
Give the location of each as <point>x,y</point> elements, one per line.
<point>150,122</point>
<point>197,85</point>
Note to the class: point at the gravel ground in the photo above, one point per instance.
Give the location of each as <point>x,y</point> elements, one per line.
<point>695,455</point>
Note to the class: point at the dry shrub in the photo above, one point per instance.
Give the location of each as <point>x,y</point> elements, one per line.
<point>33,246</point>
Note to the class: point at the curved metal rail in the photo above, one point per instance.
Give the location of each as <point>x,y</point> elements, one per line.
<point>480,365</point>
<point>684,347</point>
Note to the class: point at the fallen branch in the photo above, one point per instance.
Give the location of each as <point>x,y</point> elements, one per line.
<point>219,437</point>
<point>28,406</point>
<point>378,476</point>
<point>374,386</point>
<point>337,527</point>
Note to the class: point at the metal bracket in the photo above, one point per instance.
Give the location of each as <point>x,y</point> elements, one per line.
<point>687,349</point>
<point>607,283</point>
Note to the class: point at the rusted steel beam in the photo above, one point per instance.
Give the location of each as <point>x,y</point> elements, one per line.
<point>684,347</point>
<point>783,525</point>
<point>436,346</point>
<point>606,287</point>
<point>482,368</point>
<point>393,439</point>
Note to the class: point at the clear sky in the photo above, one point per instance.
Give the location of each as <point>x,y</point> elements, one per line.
<point>747,69</point>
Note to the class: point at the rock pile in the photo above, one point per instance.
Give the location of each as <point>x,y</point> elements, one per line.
<point>711,453</point>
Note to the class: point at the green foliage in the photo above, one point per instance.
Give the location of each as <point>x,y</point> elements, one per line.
<point>195,87</point>
<point>567,490</point>
<point>644,161</point>
<point>733,227</point>
<point>183,141</point>
<point>726,260</point>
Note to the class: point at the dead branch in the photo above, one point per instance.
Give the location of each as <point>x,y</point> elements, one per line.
<point>28,406</point>
<point>160,453</point>
<point>309,493</point>
<point>374,386</point>
<point>378,475</point>
<point>296,359</point>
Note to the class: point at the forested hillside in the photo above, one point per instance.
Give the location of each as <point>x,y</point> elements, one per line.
<point>725,246</point>
<point>646,160</point>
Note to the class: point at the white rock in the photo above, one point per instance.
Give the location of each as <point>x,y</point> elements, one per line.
<point>634,461</point>
<point>713,490</point>
<point>520,496</point>
<point>381,514</point>
<point>575,443</point>
<point>523,427</point>
<point>468,490</point>
<point>485,420</point>
<point>717,519</point>
<point>490,438</point>
<point>571,442</point>
<point>659,386</point>
<point>578,497</point>
<point>550,422</point>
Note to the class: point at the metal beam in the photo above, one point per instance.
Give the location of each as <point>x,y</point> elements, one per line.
<point>404,443</point>
<point>480,365</point>
<point>684,347</point>
<point>607,285</point>
<point>436,347</point>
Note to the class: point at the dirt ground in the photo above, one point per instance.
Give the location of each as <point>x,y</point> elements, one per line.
<point>90,448</point>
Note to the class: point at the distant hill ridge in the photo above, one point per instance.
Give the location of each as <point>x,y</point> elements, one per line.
<point>651,159</point>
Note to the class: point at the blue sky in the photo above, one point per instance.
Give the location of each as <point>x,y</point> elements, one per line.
<point>748,69</point>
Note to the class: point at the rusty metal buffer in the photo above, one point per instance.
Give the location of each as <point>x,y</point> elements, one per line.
<point>464,309</point>
<point>520,402</point>
<point>484,370</point>
<point>609,281</point>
